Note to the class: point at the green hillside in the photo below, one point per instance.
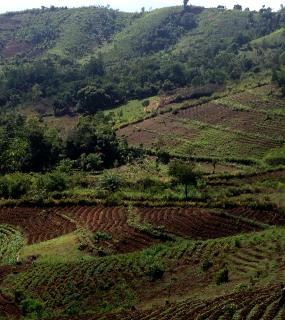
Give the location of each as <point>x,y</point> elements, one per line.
<point>82,60</point>
<point>142,164</point>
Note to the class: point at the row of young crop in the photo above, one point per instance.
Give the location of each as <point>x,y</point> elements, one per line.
<point>11,241</point>
<point>99,279</point>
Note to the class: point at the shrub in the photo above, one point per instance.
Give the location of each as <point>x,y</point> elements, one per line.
<point>163,157</point>
<point>110,182</point>
<point>206,265</point>
<point>145,103</point>
<point>53,181</point>
<point>237,243</point>
<point>91,162</point>
<point>4,192</point>
<point>102,236</point>
<point>65,165</point>
<point>275,157</point>
<point>14,185</point>
<point>222,276</point>
<point>156,272</point>
<point>32,307</point>
<point>230,310</point>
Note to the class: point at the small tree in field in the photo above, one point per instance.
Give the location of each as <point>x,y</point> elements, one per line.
<point>183,172</point>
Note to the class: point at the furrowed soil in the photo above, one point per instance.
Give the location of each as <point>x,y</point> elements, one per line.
<point>224,127</point>
<point>254,259</point>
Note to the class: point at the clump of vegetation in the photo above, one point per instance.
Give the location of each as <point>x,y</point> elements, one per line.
<point>275,157</point>
<point>230,310</point>
<point>32,308</point>
<point>110,182</point>
<point>237,243</point>
<point>102,236</point>
<point>147,228</point>
<point>206,265</point>
<point>184,173</point>
<point>155,271</point>
<point>222,276</point>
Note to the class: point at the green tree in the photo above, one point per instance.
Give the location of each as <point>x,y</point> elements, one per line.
<point>91,162</point>
<point>185,3</point>
<point>95,136</point>
<point>15,155</point>
<point>183,172</point>
<point>237,7</point>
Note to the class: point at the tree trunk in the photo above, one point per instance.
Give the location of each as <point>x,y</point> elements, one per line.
<point>186,192</point>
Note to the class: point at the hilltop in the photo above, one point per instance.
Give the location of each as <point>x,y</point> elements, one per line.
<point>62,61</point>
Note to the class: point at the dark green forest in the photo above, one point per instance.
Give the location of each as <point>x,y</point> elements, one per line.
<point>95,58</point>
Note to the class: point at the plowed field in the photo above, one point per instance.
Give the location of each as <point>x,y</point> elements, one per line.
<point>37,225</point>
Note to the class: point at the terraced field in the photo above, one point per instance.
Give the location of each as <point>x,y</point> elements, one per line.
<point>191,222</point>
<point>240,239</point>
<point>11,242</point>
<point>37,224</point>
<point>113,221</point>
<point>40,225</point>
<point>225,127</point>
<point>261,303</point>
<point>250,262</point>
<point>197,223</point>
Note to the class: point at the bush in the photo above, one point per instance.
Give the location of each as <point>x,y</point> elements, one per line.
<point>91,162</point>
<point>206,265</point>
<point>237,243</point>
<point>156,272</point>
<point>275,157</point>
<point>163,157</point>
<point>145,103</point>
<point>53,181</point>
<point>102,236</point>
<point>65,165</point>
<point>32,307</point>
<point>4,191</point>
<point>230,310</point>
<point>150,184</point>
<point>222,276</point>
<point>110,182</point>
<point>14,185</point>
<point>18,185</point>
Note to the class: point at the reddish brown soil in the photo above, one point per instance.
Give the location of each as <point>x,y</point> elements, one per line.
<point>264,216</point>
<point>151,130</point>
<point>209,113</point>
<point>135,136</point>
<point>194,222</point>
<point>38,225</point>
<point>245,121</point>
<point>41,225</point>
<point>8,308</point>
<point>168,128</point>
<point>113,221</point>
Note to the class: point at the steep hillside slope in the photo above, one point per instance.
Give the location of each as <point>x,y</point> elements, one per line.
<point>242,125</point>
<point>95,58</point>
